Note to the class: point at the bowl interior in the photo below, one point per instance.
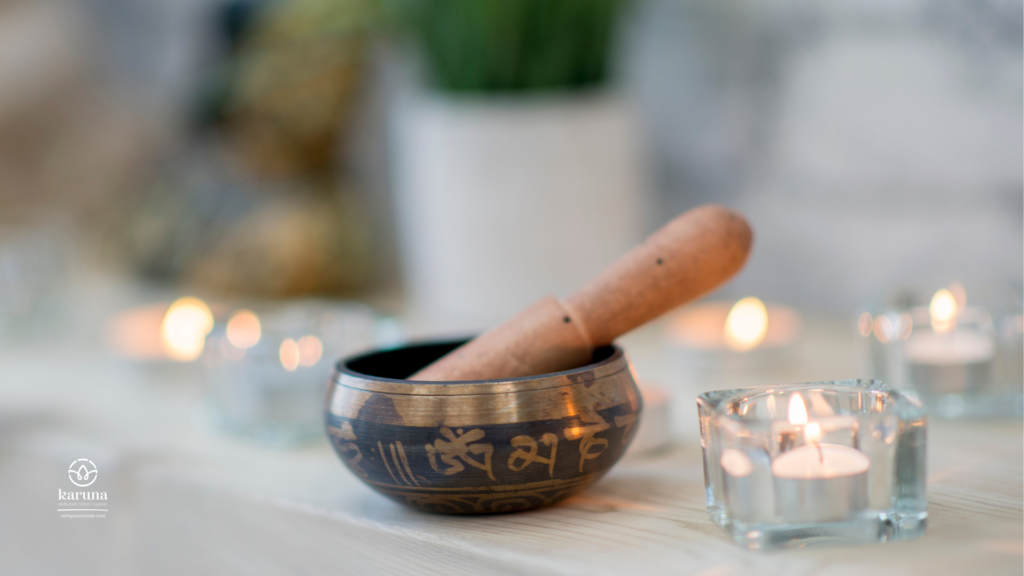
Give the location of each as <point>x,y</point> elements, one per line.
<point>400,363</point>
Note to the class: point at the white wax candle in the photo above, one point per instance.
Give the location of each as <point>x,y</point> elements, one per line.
<point>821,483</point>
<point>958,347</point>
<point>820,461</point>
<point>704,327</point>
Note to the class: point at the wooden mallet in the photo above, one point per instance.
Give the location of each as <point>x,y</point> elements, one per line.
<point>687,258</point>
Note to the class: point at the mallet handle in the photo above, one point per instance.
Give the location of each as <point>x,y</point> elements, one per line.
<point>687,258</point>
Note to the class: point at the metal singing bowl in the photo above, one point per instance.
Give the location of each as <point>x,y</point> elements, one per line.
<point>480,446</point>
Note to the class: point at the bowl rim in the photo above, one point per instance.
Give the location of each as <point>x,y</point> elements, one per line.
<point>345,376</point>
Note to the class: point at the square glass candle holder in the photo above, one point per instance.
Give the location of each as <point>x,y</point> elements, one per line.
<point>961,351</point>
<point>816,463</point>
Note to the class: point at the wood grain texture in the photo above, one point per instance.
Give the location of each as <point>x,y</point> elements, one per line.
<point>646,517</point>
<point>185,500</point>
<point>687,258</point>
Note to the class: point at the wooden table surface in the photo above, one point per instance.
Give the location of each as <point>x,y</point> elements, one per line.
<point>185,500</point>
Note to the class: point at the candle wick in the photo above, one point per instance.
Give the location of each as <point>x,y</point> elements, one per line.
<point>821,455</point>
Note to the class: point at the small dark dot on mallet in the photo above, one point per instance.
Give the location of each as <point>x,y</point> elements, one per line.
<point>659,261</point>
<point>566,319</point>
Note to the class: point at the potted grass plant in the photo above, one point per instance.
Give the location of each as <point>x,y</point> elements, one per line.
<point>518,169</point>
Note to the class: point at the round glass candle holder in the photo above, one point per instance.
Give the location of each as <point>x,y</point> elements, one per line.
<point>817,463</point>
<point>968,365</point>
<point>267,366</point>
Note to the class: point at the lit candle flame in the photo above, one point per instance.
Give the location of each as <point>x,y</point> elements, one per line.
<point>798,415</point>
<point>184,328</point>
<point>746,325</point>
<point>243,330</point>
<point>797,410</point>
<point>943,310</point>
<point>812,432</point>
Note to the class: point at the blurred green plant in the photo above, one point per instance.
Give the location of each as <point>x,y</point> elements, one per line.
<point>512,45</point>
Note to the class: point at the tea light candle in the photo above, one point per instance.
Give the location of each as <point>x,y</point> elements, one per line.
<point>846,466</point>
<point>715,340</point>
<point>161,332</point>
<point>741,327</point>
<point>948,359</point>
<point>956,348</point>
<point>819,482</point>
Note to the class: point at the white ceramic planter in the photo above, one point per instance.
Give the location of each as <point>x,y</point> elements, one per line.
<point>501,201</point>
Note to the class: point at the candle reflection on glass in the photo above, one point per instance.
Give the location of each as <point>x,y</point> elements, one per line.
<point>289,354</point>
<point>310,350</point>
<point>243,329</point>
<point>740,487</point>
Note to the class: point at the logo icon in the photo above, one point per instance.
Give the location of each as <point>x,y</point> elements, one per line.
<point>82,472</point>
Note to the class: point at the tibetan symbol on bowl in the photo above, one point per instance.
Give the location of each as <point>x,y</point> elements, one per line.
<point>483,446</point>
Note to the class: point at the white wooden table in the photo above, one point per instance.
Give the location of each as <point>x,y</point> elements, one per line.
<point>184,500</point>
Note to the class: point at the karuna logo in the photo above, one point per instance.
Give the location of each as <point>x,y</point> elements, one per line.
<point>82,472</point>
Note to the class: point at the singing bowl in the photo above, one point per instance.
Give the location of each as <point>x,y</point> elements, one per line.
<point>481,446</point>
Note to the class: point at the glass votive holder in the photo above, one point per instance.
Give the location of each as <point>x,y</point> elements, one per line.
<point>267,366</point>
<point>963,357</point>
<point>817,463</point>
<point>35,264</point>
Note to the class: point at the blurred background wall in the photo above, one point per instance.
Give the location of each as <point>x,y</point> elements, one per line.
<point>203,142</point>
<point>205,203</point>
<point>870,143</point>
